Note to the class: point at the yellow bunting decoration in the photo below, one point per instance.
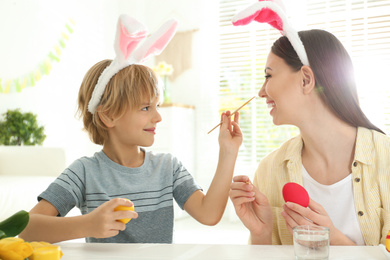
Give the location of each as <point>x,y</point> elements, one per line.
<point>24,83</point>
<point>18,83</point>
<point>7,86</point>
<point>37,75</point>
<point>58,50</point>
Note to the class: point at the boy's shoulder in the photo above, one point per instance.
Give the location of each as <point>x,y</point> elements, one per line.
<point>85,162</point>
<point>161,157</point>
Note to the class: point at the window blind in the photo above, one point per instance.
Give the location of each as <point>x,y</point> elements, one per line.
<point>362,25</point>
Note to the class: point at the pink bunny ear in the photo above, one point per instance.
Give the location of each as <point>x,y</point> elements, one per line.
<point>156,43</point>
<point>129,33</point>
<point>271,12</point>
<point>262,12</point>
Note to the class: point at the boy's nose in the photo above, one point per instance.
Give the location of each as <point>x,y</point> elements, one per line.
<point>158,117</point>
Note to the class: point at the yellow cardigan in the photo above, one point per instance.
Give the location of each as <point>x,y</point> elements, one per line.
<point>370,177</point>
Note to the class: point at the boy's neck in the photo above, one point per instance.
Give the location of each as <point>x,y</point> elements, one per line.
<point>132,157</point>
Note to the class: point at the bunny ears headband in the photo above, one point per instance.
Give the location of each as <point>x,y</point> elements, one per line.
<point>128,35</point>
<point>271,12</point>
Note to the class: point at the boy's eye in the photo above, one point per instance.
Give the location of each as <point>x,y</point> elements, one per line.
<point>145,108</point>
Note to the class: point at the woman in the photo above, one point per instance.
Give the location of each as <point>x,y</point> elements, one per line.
<point>340,157</point>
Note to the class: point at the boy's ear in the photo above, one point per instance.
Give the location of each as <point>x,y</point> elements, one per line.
<point>106,119</point>
<point>308,79</point>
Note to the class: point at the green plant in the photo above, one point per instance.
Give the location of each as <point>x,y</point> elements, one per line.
<point>20,129</point>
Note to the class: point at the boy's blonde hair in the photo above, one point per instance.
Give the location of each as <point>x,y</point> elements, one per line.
<point>126,90</point>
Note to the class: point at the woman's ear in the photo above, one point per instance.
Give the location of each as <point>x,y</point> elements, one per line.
<point>106,119</point>
<point>308,79</point>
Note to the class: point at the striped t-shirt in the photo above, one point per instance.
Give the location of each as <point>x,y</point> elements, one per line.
<point>90,181</point>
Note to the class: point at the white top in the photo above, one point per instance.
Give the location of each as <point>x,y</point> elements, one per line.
<point>337,199</point>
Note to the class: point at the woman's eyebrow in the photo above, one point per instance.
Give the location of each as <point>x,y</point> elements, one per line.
<point>267,68</point>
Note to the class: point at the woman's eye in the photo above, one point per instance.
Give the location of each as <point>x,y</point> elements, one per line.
<point>267,76</point>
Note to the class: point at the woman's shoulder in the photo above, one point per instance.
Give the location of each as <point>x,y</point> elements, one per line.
<point>373,148</point>
<point>373,138</point>
<point>290,149</point>
<point>382,138</point>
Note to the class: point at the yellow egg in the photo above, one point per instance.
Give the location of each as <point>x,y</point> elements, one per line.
<point>47,253</point>
<point>388,242</point>
<point>120,207</point>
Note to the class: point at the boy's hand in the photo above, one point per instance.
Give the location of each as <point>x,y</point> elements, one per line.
<point>230,135</point>
<point>105,222</point>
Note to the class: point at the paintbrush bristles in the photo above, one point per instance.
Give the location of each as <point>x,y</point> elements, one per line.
<point>233,113</point>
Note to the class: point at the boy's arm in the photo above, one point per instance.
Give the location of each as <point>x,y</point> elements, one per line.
<point>208,209</point>
<point>44,225</point>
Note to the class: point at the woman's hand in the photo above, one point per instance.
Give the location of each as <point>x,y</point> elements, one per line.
<point>313,215</point>
<point>104,221</point>
<point>253,208</point>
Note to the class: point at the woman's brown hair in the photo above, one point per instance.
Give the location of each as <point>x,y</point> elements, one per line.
<point>126,89</point>
<point>333,71</point>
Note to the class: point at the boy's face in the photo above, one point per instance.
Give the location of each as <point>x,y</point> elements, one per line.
<point>137,126</point>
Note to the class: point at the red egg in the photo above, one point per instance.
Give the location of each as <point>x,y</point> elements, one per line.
<point>294,192</point>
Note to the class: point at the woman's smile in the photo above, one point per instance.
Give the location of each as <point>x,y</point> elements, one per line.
<point>151,130</point>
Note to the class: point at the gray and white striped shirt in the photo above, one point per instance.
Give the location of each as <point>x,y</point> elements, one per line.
<point>90,181</point>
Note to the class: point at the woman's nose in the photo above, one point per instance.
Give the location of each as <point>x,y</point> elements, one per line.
<point>262,93</point>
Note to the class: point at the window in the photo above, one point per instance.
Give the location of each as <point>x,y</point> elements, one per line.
<point>362,25</point>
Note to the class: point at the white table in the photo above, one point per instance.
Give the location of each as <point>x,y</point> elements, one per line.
<point>96,251</point>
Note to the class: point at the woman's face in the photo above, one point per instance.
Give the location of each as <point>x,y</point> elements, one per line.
<point>282,91</point>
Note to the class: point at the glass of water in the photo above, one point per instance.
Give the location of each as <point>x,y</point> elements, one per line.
<point>311,242</point>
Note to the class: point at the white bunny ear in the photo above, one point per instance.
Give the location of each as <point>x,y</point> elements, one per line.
<point>128,34</point>
<point>156,43</point>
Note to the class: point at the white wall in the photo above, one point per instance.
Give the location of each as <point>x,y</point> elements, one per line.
<point>197,86</point>
<point>30,29</point>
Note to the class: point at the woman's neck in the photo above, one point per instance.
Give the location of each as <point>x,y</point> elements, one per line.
<point>328,149</point>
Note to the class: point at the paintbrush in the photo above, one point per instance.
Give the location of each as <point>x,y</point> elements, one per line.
<point>233,113</point>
